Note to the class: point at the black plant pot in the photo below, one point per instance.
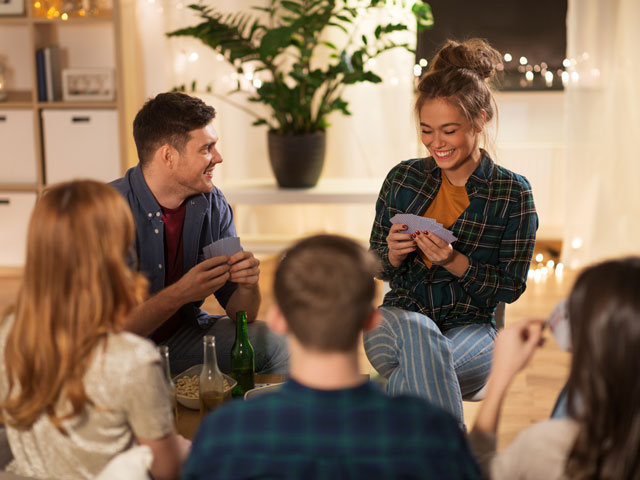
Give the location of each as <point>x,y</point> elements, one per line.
<point>297,160</point>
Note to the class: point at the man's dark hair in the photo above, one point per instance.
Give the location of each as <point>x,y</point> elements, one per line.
<point>325,289</point>
<point>168,118</point>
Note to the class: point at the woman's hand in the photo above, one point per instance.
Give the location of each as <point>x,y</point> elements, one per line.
<point>514,347</point>
<point>434,248</point>
<point>400,244</point>
<point>512,351</point>
<point>439,252</point>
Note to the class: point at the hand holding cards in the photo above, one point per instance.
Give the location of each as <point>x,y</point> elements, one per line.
<point>558,323</point>
<point>244,266</point>
<point>225,246</point>
<point>418,223</point>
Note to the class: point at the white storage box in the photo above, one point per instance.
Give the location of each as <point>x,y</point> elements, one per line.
<point>15,212</point>
<point>81,144</point>
<point>18,155</point>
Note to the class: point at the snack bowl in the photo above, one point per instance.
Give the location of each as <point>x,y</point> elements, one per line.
<point>191,398</point>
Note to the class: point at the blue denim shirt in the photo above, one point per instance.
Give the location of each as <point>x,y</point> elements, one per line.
<point>208,218</point>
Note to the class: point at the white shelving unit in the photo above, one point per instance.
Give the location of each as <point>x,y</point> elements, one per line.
<point>39,146</point>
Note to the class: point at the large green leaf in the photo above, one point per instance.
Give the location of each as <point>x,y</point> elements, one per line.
<point>274,41</point>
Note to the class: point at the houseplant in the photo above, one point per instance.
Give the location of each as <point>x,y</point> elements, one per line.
<point>303,74</point>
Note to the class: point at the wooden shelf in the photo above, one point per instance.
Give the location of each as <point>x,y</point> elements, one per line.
<point>72,20</point>
<point>17,99</point>
<point>16,20</point>
<point>71,105</point>
<point>17,187</point>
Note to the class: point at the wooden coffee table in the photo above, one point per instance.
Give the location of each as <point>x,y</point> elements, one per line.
<point>189,420</point>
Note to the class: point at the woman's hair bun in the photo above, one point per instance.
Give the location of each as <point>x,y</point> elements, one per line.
<point>474,54</point>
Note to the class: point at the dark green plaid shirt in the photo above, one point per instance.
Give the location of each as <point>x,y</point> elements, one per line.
<point>497,232</point>
<point>356,433</point>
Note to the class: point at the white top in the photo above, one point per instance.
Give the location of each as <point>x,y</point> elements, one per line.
<point>538,453</point>
<point>126,383</point>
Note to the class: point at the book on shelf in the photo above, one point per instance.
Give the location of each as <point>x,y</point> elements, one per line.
<point>53,76</point>
<point>48,73</point>
<point>40,75</point>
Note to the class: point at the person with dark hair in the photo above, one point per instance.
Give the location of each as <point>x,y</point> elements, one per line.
<point>327,421</point>
<point>178,211</point>
<point>437,331</point>
<point>600,439</point>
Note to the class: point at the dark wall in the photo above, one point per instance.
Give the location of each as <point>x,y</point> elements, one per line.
<point>535,29</point>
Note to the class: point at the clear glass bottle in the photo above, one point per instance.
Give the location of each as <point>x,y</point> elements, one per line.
<point>164,354</point>
<point>211,379</point>
<point>242,358</point>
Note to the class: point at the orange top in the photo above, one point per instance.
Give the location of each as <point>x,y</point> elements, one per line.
<point>449,203</point>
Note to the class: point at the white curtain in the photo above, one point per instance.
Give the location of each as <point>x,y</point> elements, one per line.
<point>602,131</point>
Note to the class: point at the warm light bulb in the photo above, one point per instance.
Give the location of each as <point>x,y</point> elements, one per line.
<point>550,264</point>
<point>523,60</point>
<point>576,243</point>
<point>423,62</point>
<point>507,57</point>
<point>37,5</point>
<point>64,16</point>
<point>539,257</point>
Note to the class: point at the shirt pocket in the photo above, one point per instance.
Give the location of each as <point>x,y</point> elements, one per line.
<point>479,235</point>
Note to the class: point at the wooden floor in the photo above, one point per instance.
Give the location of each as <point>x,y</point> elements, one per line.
<point>533,393</point>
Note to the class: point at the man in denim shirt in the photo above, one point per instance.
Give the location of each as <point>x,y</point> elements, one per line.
<point>178,211</point>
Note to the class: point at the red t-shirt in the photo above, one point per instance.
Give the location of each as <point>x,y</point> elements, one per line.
<point>173,219</point>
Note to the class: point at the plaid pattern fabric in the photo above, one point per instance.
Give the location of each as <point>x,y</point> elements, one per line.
<point>303,433</point>
<point>496,232</point>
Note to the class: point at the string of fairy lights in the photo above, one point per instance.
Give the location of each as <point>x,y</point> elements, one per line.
<point>567,74</point>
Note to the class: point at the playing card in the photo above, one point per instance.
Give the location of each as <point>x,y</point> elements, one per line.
<point>225,246</point>
<point>416,222</point>
<point>558,323</point>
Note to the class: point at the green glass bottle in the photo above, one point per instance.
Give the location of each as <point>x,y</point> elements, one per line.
<point>242,358</point>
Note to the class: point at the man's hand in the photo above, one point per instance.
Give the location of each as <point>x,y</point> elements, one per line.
<point>244,269</point>
<point>204,279</point>
<point>400,244</point>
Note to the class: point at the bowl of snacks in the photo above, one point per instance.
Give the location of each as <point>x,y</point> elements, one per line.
<point>187,387</point>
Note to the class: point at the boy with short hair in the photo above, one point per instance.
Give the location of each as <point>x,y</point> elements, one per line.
<point>326,421</point>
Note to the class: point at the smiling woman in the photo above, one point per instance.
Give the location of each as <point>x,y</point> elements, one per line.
<point>436,336</point>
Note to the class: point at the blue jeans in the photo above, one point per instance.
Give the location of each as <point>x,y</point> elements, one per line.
<point>186,349</point>
<point>417,358</point>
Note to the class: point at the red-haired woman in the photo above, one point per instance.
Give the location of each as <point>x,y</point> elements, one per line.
<point>75,390</point>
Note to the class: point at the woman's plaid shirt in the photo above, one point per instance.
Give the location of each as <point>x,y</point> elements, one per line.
<point>496,232</point>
